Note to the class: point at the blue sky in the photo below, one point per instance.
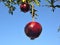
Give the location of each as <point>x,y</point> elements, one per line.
<point>12,27</point>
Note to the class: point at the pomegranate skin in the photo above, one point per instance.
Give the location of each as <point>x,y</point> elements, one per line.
<point>25,7</point>
<point>33,30</point>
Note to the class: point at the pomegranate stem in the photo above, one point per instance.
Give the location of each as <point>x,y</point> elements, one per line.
<point>32,12</point>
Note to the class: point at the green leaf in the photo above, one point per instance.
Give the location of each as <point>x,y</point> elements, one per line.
<point>18,2</point>
<point>28,1</point>
<point>11,9</point>
<point>37,2</point>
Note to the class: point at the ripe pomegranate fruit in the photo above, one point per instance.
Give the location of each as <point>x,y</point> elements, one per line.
<point>33,30</point>
<point>24,7</point>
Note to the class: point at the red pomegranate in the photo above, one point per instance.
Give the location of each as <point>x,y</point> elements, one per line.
<point>24,7</point>
<point>33,30</point>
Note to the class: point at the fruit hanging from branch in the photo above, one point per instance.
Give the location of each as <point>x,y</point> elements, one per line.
<point>25,7</point>
<point>33,30</point>
<point>11,4</point>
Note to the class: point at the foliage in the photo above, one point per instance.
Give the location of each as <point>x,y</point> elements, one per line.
<point>10,4</point>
